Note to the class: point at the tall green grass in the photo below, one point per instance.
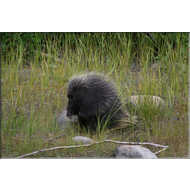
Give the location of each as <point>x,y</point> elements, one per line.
<point>34,88</point>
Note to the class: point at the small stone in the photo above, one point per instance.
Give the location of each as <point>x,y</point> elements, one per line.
<point>134,151</point>
<point>82,140</point>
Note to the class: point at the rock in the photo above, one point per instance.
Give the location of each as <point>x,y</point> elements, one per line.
<point>64,120</point>
<point>134,151</point>
<point>141,100</point>
<point>82,140</point>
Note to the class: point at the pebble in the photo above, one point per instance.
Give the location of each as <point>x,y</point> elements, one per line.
<point>82,140</point>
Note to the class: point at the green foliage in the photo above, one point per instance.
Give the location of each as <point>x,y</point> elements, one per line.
<point>35,72</point>
<point>102,43</point>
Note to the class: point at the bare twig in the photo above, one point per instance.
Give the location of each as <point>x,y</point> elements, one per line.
<point>161,150</point>
<point>136,143</point>
<point>139,143</point>
<point>54,148</point>
<point>86,145</point>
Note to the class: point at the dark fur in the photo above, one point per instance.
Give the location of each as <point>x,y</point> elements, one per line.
<point>92,96</point>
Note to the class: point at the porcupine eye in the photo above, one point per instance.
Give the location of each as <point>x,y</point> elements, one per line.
<point>71,97</point>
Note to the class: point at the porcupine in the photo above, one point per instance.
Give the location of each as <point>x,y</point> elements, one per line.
<point>95,100</point>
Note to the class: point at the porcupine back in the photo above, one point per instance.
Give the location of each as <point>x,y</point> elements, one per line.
<point>92,96</point>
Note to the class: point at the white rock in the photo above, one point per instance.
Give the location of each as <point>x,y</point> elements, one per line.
<point>82,140</point>
<point>134,151</point>
<point>64,120</point>
<point>148,100</point>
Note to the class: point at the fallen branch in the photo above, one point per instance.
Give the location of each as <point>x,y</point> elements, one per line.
<point>161,150</point>
<point>136,143</point>
<point>140,143</point>
<point>54,148</point>
<point>86,145</point>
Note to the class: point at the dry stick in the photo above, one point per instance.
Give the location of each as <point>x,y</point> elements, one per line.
<point>161,150</point>
<point>54,148</point>
<point>139,143</point>
<point>136,143</point>
<point>76,146</point>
